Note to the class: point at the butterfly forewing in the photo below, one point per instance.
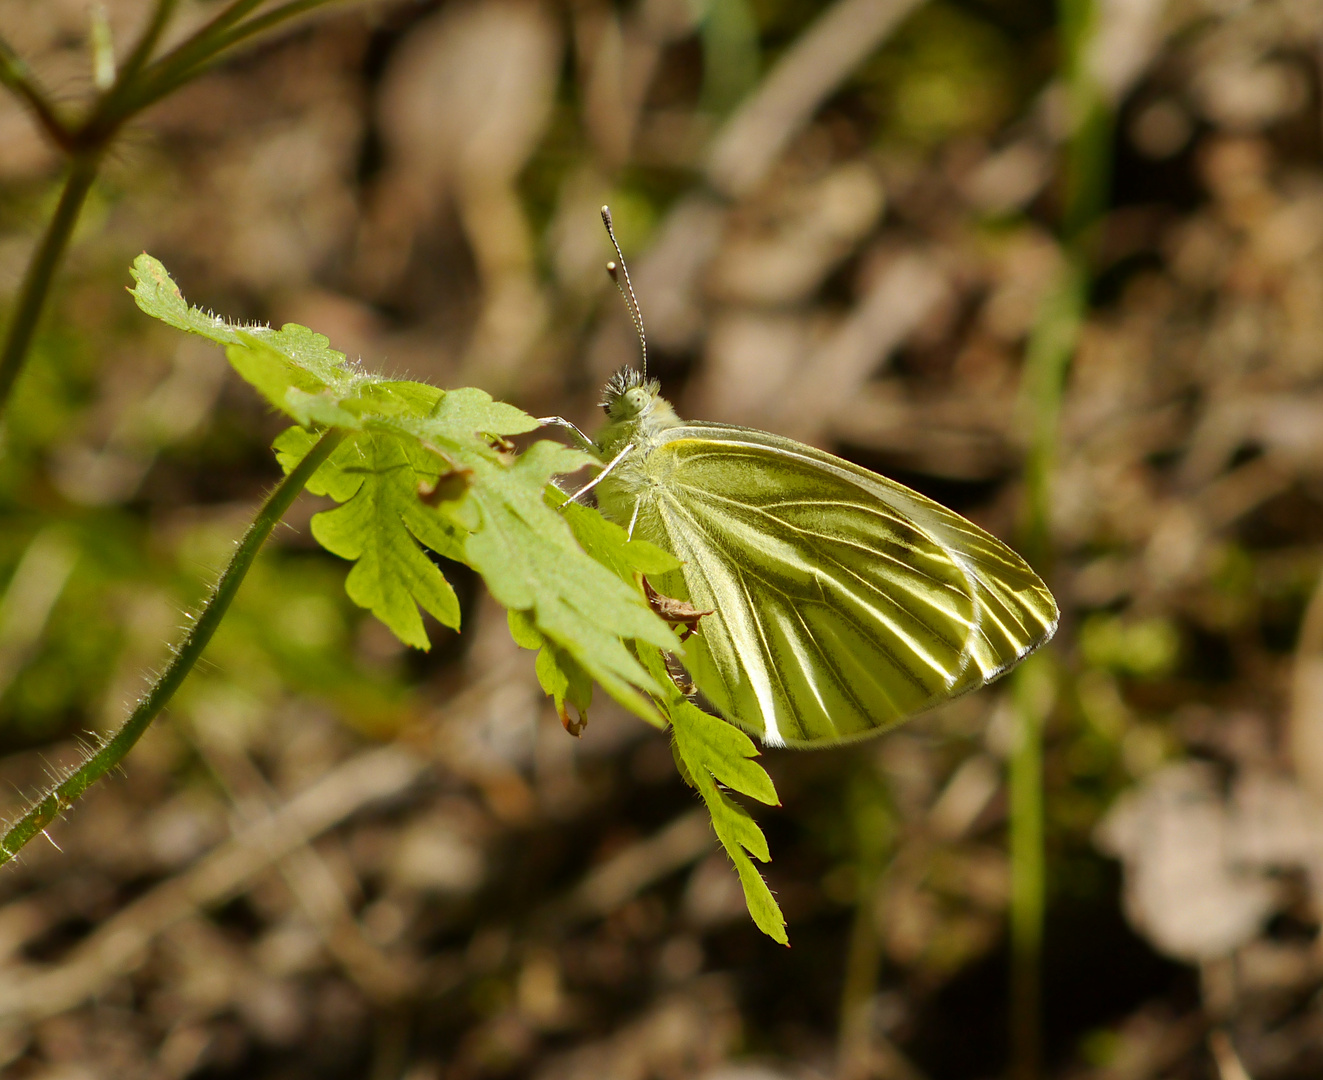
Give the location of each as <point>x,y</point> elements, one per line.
<point>844,602</point>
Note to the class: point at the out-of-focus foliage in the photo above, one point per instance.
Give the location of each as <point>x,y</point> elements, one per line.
<point>493,898</point>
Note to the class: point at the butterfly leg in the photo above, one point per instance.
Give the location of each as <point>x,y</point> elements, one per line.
<point>576,436</point>
<point>600,476</point>
<point>634,517</point>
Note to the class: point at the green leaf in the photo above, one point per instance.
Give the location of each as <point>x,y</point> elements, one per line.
<point>469,412</point>
<point>565,681</point>
<point>276,376</point>
<point>335,478</point>
<point>611,546</point>
<point>156,293</point>
<point>708,751</point>
<point>380,526</point>
<point>402,437</point>
<point>559,675</point>
<point>273,361</point>
<point>726,752</point>
<point>529,559</point>
<point>523,631</point>
<point>714,752</point>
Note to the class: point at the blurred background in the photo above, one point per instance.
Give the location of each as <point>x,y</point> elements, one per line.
<point>882,226</point>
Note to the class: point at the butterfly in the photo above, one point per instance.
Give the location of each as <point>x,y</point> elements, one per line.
<point>841,602</point>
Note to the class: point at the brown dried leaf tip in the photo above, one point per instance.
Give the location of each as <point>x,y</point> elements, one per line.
<point>574,727</point>
<point>676,612</point>
<point>449,487</point>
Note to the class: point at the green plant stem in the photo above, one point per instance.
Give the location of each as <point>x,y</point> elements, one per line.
<point>200,41</point>
<point>37,281</point>
<point>1032,694</point>
<point>133,64</point>
<point>128,96</point>
<point>1046,364</point>
<point>863,960</point>
<point>16,76</point>
<point>194,56</point>
<point>1047,361</point>
<point>866,806</point>
<point>1086,168</point>
<point>113,751</point>
<point>138,85</point>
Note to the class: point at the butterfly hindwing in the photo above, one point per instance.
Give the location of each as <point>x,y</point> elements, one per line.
<point>844,602</point>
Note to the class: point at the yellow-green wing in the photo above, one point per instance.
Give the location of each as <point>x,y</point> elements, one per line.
<point>844,602</point>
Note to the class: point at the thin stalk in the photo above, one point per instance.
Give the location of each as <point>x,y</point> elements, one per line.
<point>1047,360</point>
<point>138,84</point>
<point>867,807</point>
<point>41,270</point>
<point>863,961</point>
<point>132,92</point>
<point>184,64</point>
<point>1032,694</point>
<point>113,751</point>
<point>199,41</point>
<point>1052,344</point>
<point>133,64</point>
<point>18,77</point>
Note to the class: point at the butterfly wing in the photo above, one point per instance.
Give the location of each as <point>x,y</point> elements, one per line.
<point>844,602</point>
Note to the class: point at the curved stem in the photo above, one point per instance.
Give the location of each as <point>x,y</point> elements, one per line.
<point>113,751</point>
<point>139,84</point>
<point>37,280</point>
<point>191,59</point>
<point>15,75</point>
<point>133,64</point>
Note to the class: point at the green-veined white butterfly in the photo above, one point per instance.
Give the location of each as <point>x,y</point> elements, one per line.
<point>843,602</point>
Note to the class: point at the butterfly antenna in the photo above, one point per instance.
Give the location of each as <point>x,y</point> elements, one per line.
<point>619,270</point>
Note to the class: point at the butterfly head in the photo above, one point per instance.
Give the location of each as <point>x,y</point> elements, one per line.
<point>630,395</point>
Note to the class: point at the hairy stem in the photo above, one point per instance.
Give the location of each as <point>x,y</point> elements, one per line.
<point>113,751</point>
<point>41,270</point>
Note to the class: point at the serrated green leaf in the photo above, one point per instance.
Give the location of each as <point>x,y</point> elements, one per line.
<point>565,681</point>
<point>276,377</point>
<point>298,372</point>
<point>727,753</point>
<point>611,546</point>
<point>380,526</point>
<point>703,743</point>
<point>273,361</point>
<point>338,477</point>
<point>322,410</point>
<point>530,561</point>
<point>523,549</point>
<point>468,412</point>
<point>403,436</point>
<point>400,397</point>
<point>156,293</point>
